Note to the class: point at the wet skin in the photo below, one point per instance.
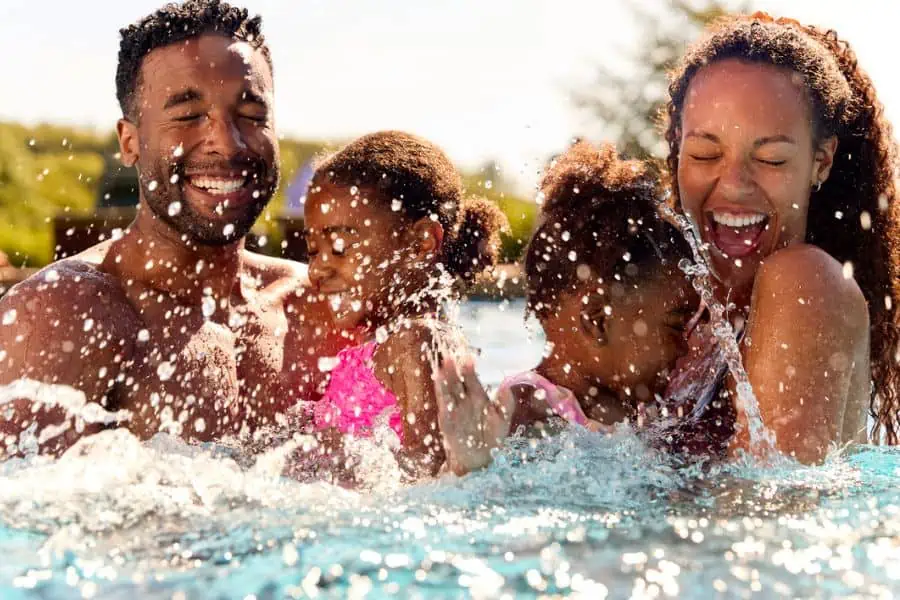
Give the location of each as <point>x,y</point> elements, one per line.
<point>175,321</point>
<point>748,161</point>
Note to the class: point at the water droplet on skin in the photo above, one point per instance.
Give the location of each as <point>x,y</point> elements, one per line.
<point>396,205</point>
<point>148,265</point>
<point>573,256</point>
<point>165,370</point>
<point>381,335</point>
<point>9,317</point>
<point>325,208</point>
<point>228,229</point>
<point>200,425</point>
<point>51,276</point>
<point>255,194</point>
<point>354,190</point>
<point>152,185</point>
<point>208,306</point>
<point>173,178</point>
<point>199,266</point>
<point>355,305</point>
<point>88,324</point>
<point>143,335</point>
<point>174,208</point>
<point>640,328</point>
<point>178,151</point>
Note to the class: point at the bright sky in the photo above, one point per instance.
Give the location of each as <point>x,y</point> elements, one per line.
<point>482,78</point>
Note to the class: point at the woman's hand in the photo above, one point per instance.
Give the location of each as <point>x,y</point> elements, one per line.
<point>471,422</point>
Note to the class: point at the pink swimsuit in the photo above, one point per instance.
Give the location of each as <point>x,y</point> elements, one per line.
<point>355,399</point>
<point>560,400</point>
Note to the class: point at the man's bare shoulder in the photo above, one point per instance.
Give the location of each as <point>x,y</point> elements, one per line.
<point>68,291</point>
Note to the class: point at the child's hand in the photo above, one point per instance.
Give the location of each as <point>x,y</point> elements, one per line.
<point>472,424</point>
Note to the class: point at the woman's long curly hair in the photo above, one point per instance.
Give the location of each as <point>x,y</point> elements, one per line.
<point>854,215</point>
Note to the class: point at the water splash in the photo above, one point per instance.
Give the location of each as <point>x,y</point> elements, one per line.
<point>47,395</point>
<point>762,440</point>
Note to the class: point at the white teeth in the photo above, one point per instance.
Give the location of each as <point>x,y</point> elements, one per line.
<point>730,220</point>
<point>216,186</point>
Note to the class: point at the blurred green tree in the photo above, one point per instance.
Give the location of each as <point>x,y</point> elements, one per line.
<point>627,95</point>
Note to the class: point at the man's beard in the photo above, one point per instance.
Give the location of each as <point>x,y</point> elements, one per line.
<point>167,201</point>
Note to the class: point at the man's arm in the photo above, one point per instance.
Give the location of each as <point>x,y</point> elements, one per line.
<point>69,328</point>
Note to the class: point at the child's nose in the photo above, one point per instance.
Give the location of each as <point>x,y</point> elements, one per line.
<point>320,269</point>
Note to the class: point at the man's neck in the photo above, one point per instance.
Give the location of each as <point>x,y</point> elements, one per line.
<point>153,254</point>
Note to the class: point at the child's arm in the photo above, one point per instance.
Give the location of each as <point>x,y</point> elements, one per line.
<point>403,364</point>
<point>471,422</point>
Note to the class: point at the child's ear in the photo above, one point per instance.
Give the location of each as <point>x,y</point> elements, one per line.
<point>428,237</point>
<point>594,323</point>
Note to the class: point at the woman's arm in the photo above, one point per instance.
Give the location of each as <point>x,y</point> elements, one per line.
<point>808,331</point>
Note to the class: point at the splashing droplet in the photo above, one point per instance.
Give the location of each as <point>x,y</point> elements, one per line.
<point>327,363</point>
<point>152,185</point>
<point>174,208</point>
<point>865,220</point>
<point>165,370</point>
<point>396,205</point>
<point>178,151</point>
<point>173,178</point>
<point>228,229</point>
<point>51,276</point>
<point>381,335</point>
<point>9,317</point>
<point>88,324</point>
<point>848,270</point>
<point>208,306</point>
<point>143,335</point>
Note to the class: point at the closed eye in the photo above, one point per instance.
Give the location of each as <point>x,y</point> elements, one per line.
<point>773,163</point>
<point>186,118</point>
<point>703,157</point>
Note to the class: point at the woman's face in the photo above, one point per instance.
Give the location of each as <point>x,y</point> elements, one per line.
<point>747,163</point>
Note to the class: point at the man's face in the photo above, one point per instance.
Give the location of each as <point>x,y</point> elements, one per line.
<point>202,137</point>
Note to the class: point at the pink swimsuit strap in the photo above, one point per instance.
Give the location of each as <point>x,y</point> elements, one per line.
<point>355,398</point>
<point>561,400</point>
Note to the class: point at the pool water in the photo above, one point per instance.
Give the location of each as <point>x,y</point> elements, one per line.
<point>581,514</point>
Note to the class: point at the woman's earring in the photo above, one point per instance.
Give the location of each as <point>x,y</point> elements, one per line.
<point>818,185</point>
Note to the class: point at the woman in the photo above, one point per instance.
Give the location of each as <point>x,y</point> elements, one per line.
<point>781,158</point>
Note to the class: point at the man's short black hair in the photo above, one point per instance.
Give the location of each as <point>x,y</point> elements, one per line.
<point>174,23</point>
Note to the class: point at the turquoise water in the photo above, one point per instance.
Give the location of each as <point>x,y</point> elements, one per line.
<point>581,514</point>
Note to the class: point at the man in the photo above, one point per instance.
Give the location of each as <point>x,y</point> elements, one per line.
<point>174,322</point>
